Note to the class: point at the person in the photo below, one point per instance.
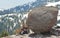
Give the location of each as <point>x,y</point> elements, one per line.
<point>24,30</point>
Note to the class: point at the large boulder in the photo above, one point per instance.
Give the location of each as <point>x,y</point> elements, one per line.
<point>42,19</point>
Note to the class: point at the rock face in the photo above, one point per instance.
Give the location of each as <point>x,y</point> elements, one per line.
<point>41,19</point>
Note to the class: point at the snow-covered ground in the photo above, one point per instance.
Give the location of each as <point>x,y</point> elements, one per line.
<point>53,3</point>
<point>58,17</point>
<point>1,10</point>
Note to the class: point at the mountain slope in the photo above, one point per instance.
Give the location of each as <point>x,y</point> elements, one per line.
<point>23,8</point>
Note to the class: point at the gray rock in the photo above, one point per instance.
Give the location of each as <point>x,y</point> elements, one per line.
<point>41,19</point>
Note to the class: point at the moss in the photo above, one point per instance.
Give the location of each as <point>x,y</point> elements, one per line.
<point>4,33</point>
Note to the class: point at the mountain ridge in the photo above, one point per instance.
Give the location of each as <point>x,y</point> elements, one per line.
<point>23,8</point>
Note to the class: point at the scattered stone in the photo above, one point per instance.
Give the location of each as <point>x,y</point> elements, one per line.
<point>56,30</point>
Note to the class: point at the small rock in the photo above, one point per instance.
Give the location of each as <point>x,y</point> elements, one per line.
<point>56,30</point>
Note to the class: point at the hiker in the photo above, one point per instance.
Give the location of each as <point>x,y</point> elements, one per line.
<point>24,31</point>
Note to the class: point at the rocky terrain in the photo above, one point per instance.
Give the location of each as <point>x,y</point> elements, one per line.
<point>27,36</point>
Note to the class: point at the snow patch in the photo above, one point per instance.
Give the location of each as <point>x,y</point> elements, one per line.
<point>58,17</point>
<point>1,10</point>
<point>58,24</point>
<point>25,16</point>
<point>58,12</point>
<point>14,24</point>
<point>11,19</point>
<point>53,4</point>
